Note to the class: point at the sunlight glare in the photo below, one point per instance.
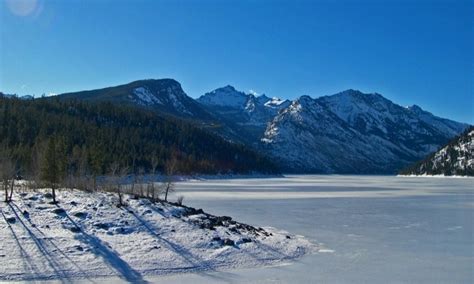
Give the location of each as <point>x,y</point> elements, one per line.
<point>22,7</point>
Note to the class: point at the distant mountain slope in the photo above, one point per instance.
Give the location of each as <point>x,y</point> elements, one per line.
<point>455,158</point>
<point>244,109</point>
<point>95,136</point>
<point>24,97</point>
<point>246,114</point>
<point>163,95</point>
<point>352,132</point>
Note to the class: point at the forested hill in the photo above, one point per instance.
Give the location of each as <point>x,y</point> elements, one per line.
<point>90,138</point>
<point>454,158</point>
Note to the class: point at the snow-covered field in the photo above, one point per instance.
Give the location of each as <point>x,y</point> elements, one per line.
<point>368,229</point>
<point>87,236</point>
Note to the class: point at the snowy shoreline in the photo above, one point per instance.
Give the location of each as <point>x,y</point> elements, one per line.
<point>87,236</point>
<point>433,176</point>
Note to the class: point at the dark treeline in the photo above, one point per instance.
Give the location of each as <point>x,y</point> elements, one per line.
<point>80,138</point>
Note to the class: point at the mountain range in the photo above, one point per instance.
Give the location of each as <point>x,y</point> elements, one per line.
<point>349,132</point>
<point>352,132</point>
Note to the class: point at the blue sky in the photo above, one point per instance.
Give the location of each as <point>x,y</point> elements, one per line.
<point>412,52</point>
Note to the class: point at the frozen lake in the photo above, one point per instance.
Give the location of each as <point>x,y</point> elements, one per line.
<point>375,229</point>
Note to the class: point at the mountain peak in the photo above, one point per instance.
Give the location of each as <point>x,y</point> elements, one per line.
<point>228,88</point>
<point>415,108</point>
<point>305,98</point>
<point>297,105</point>
<point>262,99</point>
<point>358,94</point>
<point>162,82</point>
<point>277,103</point>
<point>226,96</point>
<point>351,92</point>
<point>163,95</point>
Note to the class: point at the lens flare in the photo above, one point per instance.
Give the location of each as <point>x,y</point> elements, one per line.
<point>22,7</point>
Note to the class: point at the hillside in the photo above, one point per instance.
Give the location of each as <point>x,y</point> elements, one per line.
<point>163,95</point>
<point>455,158</point>
<point>93,137</point>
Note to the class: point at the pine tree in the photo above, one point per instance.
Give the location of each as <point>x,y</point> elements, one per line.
<point>54,164</point>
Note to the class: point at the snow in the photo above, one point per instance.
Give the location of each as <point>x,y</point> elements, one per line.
<point>177,104</point>
<point>88,236</point>
<point>276,102</point>
<point>457,156</point>
<point>373,134</point>
<point>171,96</point>
<point>248,111</point>
<point>309,137</point>
<point>420,231</point>
<point>435,176</point>
<point>145,97</point>
<point>229,97</point>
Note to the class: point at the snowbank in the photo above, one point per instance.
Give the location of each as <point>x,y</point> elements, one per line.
<point>86,235</point>
<point>434,176</point>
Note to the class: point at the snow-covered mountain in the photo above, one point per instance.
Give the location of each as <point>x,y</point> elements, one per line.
<point>352,132</point>
<point>226,96</point>
<point>163,95</point>
<point>245,113</point>
<point>455,158</point>
<point>243,108</point>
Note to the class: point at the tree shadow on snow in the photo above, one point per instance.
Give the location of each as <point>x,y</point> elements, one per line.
<point>274,254</point>
<point>43,249</point>
<point>108,255</point>
<point>28,264</point>
<point>55,247</point>
<point>200,265</point>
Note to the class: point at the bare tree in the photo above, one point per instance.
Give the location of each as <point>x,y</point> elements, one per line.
<point>153,190</point>
<point>12,182</point>
<point>123,174</point>
<point>170,170</point>
<point>7,173</point>
<point>114,180</point>
<point>180,200</point>
<point>140,179</point>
